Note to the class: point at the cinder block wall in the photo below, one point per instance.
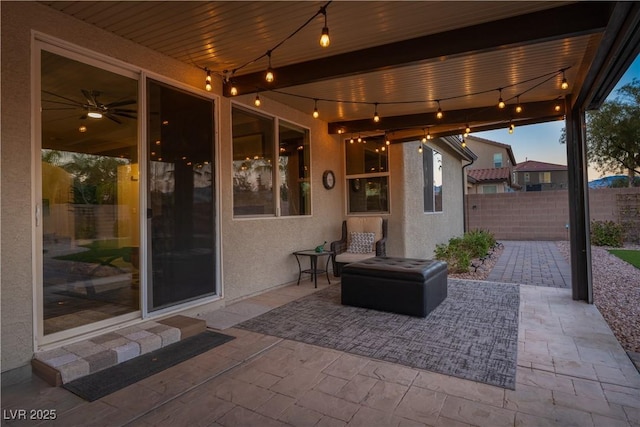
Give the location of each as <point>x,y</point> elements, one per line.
<point>540,215</point>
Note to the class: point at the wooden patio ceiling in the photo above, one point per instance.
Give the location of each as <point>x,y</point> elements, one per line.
<point>398,58</point>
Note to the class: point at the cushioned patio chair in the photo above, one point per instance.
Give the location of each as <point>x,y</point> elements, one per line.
<point>362,238</point>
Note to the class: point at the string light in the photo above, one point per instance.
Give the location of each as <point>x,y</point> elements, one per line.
<point>557,107</point>
<point>518,106</point>
<point>207,80</point>
<point>467,131</point>
<point>376,117</point>
<point>325,41</point>
<point>257,101</point>
<point>428,134</point>
<point>565,84</point>
<point>439,114</point>
<point>464,143</point>
<point>269,76</point>
<point>387,141</point>
<point>511,127</point>
<point>315,109</point>
<point>420,149</point>
<point>501,103</point>
<point>233,90</point>
<point>424,137</point>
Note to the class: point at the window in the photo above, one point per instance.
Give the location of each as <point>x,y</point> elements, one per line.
<point>514,177</point>
<point>432,169</point>
<point>527,178</point>
<point>293,164</point>
<point>367,176</point>
<point>259,188</point>
<point>489,189</point>
<point>497,160</point>
<point>544,177</point>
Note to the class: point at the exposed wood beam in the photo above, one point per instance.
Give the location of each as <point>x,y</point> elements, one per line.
<point>482,115</point>
<point>551,24</point>
<point>417,134</point>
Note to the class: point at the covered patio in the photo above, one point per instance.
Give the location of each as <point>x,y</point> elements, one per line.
<point>390,70</point>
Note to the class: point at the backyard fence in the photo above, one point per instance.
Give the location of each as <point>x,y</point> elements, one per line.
<point>544,215</point>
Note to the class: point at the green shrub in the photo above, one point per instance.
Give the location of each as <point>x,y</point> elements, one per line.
<point>459,252</point>
<point>606,233</point>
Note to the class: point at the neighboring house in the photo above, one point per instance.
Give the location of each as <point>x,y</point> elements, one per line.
<point>185,227</point>
<point>491,171</point>
<point>540,176</point>
<point>489,181</point>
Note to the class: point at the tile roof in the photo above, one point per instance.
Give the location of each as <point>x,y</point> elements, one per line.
<point>493,174</point>
<point>533,166</point>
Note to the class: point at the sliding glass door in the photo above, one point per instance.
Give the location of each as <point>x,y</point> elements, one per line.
<point>181,203</point>
<point>88,212</point>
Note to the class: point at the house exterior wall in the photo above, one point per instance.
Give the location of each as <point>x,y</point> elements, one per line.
<point>485,153</point>
<point>255,253</point>
<point>559,180</point>
<point>417,233</point>
<point>538,215</point>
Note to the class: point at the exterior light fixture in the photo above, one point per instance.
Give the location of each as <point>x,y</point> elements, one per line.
<point>315,109</point>
<point>464,143</point>
<point>501,103</point>
<point>564,85</point>
<point>269,76</point>
<point>511,127</point>
<point>325,41</point>
<point>207,80</point>
<point>257,101</point>
<point>420,149</point>
<point>376,117</point>
<point>429,134</point>
<point>557,107</point>
<point>518,106</point>
<point>439,114</point>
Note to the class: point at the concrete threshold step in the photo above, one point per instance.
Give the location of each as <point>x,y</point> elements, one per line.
<point>67,363</point>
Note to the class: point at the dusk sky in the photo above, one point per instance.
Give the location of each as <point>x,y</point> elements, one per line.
<point>540,142</point>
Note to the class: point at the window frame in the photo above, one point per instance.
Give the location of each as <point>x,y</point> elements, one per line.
<point>363,176</point>
<point>430,203</point>
<point>275,175</point>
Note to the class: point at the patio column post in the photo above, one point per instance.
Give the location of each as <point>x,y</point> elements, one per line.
<point>579,224</point>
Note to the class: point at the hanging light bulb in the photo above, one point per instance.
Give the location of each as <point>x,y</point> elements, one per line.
<point>387,141</point>
<point>511,127</point>
<point>269,76</point>
<point>315,109</point>
<point>325,41</point>
<point>207,80</point>
<point>557,107</point>
<point>257,101</point>
<point>439,114</point>
<point>233,90</point>
<point>376,117</point>
<point>464,143</point>
<point>429,134</point>
<point>359,138</point>
<point>501,103</point>
<point>518,106</point>
<point>565,84</point>
<point>351,141</point>
<point>420,149</point>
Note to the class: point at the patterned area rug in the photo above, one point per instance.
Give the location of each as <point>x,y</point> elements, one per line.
<point>473,334</point>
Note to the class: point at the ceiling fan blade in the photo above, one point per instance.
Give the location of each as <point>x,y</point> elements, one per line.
<point>91,97</point>
<point>63,97</point>
<point>121,103</point>
<point>59,108</point>
<point>123,110</point>
<point>129,116</point>
<point>111,117</point>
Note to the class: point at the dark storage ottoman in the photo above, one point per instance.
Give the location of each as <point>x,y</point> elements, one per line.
<point>399,285</point>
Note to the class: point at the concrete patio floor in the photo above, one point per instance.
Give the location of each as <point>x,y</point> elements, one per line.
<point>571,372</point>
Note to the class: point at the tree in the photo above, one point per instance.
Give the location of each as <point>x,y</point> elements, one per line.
<point>613,133</point>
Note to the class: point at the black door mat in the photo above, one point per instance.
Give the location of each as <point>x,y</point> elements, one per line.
<point>93,387</point>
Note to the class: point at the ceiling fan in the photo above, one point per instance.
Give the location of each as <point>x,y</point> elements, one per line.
<point>92,107</point>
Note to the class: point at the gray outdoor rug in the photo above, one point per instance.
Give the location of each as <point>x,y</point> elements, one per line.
<point>473,334</point>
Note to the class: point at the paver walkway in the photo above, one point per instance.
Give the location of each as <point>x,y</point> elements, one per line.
<point>532,263</point>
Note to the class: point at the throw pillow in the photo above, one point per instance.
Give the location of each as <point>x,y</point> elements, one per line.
<point>361,243</point>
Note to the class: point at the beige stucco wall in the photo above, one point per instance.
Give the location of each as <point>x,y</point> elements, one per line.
<point>485,152</point>
<point>416,233</point>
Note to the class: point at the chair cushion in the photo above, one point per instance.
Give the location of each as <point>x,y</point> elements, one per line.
<point>348,257</point>
<point>364,224</point>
